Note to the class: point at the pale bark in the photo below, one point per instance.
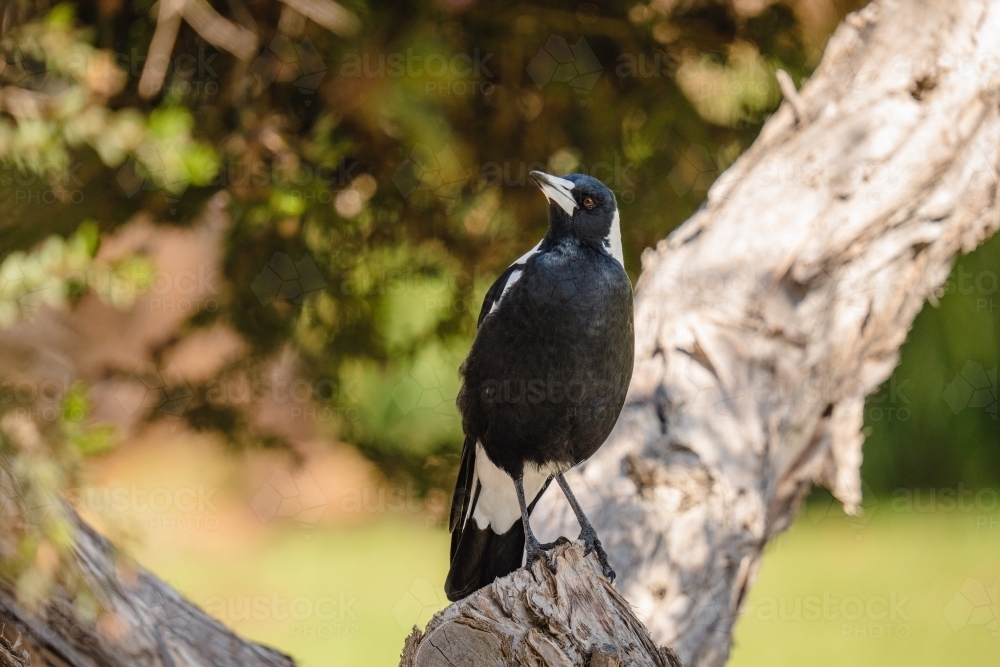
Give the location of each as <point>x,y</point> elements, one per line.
<point>533,617</point>
<point>762,324</point>
<point>141,622</point>
<point>764,321</point>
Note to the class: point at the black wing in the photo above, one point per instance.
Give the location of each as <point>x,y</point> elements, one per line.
<point>462,498</point>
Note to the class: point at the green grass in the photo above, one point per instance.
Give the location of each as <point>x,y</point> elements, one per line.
<point>348,597</point>
<point>883,591</point>
<point>833,591</point>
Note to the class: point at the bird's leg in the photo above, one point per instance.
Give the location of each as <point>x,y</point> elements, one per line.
<point>587,532</point>
<point>532,548</point>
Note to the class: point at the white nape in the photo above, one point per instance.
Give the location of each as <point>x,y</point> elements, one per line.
<point>614,240</point>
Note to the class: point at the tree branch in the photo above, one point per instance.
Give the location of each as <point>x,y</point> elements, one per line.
<point>536,618</point>
<point>141,621</point>
<point>762,324</point>
<point>767,318</point>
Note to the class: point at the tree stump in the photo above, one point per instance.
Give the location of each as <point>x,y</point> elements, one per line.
<point>535,617</point>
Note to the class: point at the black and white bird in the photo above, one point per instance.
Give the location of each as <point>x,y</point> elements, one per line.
<point>543,384</point>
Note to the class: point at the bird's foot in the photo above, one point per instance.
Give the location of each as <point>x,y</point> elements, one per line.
<point>592,544</point>
<point>535,551</point>
<point>549,546</point>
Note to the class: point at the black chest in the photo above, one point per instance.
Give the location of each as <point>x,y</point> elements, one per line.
<point>547,375</point>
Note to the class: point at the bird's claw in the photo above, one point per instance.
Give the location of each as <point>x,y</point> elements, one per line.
<point>592,544</point>
<point>535,551</point>
<point>548,546</point>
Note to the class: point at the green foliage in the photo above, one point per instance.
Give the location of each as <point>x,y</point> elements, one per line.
<point>66,85</point>
<point>59,270</point>
<point>378,183</point>
<point>934,423</point>
<point>80,432</point>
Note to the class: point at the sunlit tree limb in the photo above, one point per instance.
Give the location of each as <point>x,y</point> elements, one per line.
<point>574,617</point>
<point>761,324</point>
<point>140,621</point>
<point>766,319</point>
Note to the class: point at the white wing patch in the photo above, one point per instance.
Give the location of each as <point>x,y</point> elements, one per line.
<point>613,242</point>
<point>513,278</point>
<point>526,256</point>
<point>497,506</point>
<point>515,275</point>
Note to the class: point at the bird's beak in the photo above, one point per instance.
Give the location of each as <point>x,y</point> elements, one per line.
<point>556,190</point>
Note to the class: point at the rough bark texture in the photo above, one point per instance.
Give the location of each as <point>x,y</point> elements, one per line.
<point>142,622</point>
<point>764,321</point>
<point>761,325</point>
<point>536,618</point>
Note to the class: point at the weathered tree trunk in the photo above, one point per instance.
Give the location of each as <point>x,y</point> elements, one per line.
<point>764,321</point>
<point>142,621</point>
<point>761,324</point>
<point>536,618</point>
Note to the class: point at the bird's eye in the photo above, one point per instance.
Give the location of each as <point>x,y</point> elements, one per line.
<point>589,202</point>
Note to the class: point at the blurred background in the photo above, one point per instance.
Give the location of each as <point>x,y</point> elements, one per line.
<point>239,270</point>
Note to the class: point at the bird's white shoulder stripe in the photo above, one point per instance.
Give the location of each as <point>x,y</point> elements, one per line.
<point>613,242</point>
<point>515,275</point>
<point>526,256</point>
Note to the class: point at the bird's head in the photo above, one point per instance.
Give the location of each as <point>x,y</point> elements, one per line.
<point>583,206</point>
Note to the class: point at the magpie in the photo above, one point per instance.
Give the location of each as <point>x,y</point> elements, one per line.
<point>543,384</point>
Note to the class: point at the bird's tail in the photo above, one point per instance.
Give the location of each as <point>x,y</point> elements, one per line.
<point>479,556</point>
